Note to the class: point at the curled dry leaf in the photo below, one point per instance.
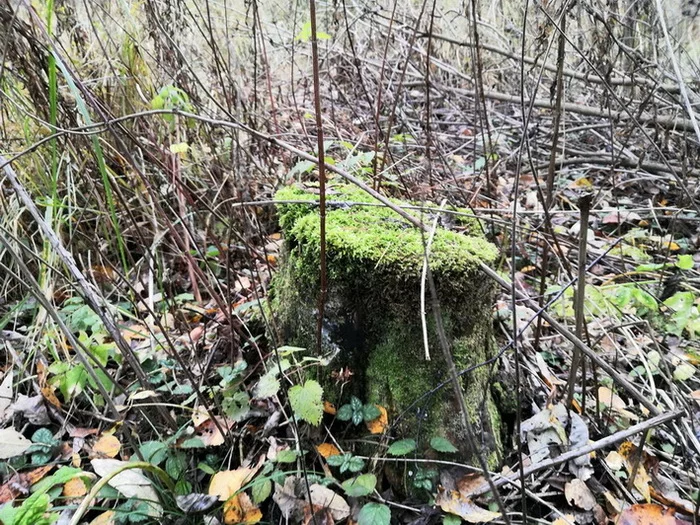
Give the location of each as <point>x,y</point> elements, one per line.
<point>648,514</point>
<point>19,483</point>
<point>453,502</point>
<point>579,495</point>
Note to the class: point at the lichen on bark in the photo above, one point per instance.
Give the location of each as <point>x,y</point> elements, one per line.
<point>373,314</point>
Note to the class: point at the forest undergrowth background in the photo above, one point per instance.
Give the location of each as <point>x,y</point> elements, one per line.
<point>141,145</point>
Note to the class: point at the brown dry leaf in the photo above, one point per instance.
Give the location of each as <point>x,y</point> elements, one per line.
<point>108,445</point>
<point>20,482</point>
<point>695,394</point>
<point>317,515</point>
<point>75,488</point>
<point>329,408</point>
<point>453,502</point>
<point>578,494</point>
<point>81,432</point>
<point>106,518</point>
<point>609,398</point>
<point>380,424</point>
<point>324,497</point>
<point>327,450</point>
<point>226,483</point>
<point>469,483</point>
<point>48,393</point>
<point>646,514</point>
<point>240,509</point>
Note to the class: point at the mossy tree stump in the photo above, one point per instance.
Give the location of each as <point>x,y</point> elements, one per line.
<point>374,261</point>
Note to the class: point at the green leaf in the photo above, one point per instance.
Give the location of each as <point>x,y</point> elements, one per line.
<point>236,406</point>
<point>268,386</point>
<point>683,372</point>
<point>207,469</point>
<point>337,460</point>
<point>360,486</point>
<point>402,447</point>
<point>307,401</point>
<point>645,299</point>
<point>451,519</point>
<point>370,412</point>
<point>685,262</point>
<point>442,445</point>
<point>287,456</point>
<point>353,464</point>
<point>345,413</point>
<point>305,33</point>
<point>261,491</point>
<point>374,514</point>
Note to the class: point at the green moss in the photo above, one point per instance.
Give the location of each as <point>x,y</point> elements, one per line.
<point>378,235</point>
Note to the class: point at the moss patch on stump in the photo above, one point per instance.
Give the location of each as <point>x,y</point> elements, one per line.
<point>374,260</point>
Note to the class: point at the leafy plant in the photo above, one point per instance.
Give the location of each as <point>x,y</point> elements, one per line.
<point>357,412</point>
<point>346,462</point>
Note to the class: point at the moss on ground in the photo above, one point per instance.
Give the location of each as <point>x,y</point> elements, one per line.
<point>374,264</point>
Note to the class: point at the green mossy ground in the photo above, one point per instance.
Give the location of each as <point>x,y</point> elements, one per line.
<point>374,264</point>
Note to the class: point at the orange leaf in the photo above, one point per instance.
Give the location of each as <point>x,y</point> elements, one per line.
<point>75,488</point>
<point>329,408</point>
<point>240,509</point>
<point>108,445</point>
<point>380,424</point>
<point>646,514</point>
<point>327,450</point>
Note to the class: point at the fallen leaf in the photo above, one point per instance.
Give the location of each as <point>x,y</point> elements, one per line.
<point>226,483</point>
<point>578,494</point>
<point>131,483</point>
<point>75,488</point>
<point>453,502</point>
<point>324,497</point>
<point>20,482</point>
<point>12,443</point>
<point>239,509</point>
<point>380,424</point>
<point>5,395</point>
<point>327,450</point>
<point>647,514</point>
<point>106,518</point>
<point>329,408</point>
<point>108,445</point>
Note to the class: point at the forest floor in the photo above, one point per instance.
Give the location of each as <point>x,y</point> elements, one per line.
<point>142,379</point>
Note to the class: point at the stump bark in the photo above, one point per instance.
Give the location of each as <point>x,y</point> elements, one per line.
<point>373,316</point>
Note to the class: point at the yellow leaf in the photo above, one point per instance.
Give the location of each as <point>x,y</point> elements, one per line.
<point>180,147</point>
<point>240,509</point>
<point>75,488</point>
<point>227,483</point>
<point>327,450</point>
<point>108,446</point>
<point>380,424</point>
<point>106,518</point>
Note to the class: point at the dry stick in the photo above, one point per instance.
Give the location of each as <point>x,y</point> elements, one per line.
<point>91,295</point>
<point>586,77</point>
<point>584,207</point>
<point>321,178</point>
<point>551,168</point>
<point>424,276</point>
<point>681,124</point>
<point>587,449</point>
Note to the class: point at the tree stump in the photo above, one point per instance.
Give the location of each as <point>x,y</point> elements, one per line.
<point>372,326</point>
